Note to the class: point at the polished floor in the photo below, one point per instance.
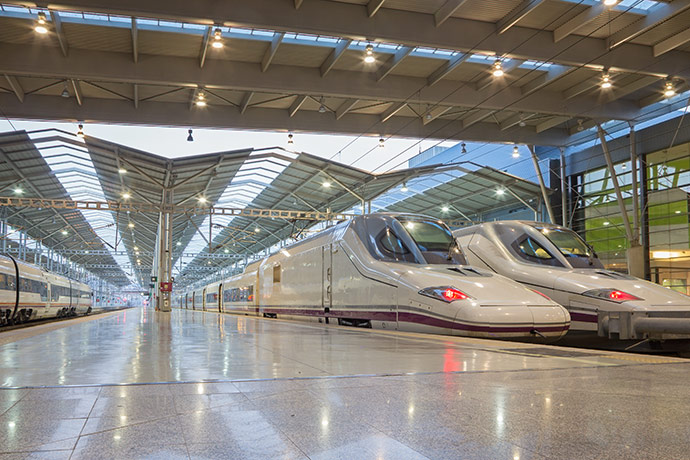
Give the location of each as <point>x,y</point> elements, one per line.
<point>247,388</point>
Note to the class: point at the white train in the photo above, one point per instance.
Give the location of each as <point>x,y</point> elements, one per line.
<point>557,262</point>
<point>388,271</point>
<point>28,292</point>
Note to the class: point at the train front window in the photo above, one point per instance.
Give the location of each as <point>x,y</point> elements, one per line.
<point>392,247</point>
<point>567,242</point>
<point>434,240</point>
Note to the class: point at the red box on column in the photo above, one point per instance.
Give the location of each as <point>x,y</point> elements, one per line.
<point>166,287</point>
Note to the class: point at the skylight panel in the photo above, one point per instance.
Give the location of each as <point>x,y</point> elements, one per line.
<point>80,182</point>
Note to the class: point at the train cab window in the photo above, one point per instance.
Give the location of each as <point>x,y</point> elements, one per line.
<point>434,240</point>
<point>578,253</point>
<point>392,247</point>
<point>531,251</point>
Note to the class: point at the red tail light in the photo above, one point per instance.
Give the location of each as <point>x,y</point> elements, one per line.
<point>445,293</point>
<point>613,295</point>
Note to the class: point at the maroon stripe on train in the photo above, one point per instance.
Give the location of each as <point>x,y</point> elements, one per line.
<point>583,317</point>
<point>411,318</point>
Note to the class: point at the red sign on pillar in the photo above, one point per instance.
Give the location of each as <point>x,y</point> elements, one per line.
<point>166,287</point>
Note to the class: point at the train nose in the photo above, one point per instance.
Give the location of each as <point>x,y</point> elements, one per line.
<point>540,322</point>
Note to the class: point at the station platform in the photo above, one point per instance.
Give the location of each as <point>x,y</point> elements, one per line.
<point>190,384</point>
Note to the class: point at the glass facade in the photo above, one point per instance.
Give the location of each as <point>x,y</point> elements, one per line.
<point>597,217</point>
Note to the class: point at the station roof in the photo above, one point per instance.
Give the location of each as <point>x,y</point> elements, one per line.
<point>118,242</point>
<point>299,65</point>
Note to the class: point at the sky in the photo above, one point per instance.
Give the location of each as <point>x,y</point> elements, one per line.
<point>362,152</point>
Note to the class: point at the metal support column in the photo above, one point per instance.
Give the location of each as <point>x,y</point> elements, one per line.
<point>164,265</point>
<point>564,192</point>
<point>634,172</point>
<point>542,186</point>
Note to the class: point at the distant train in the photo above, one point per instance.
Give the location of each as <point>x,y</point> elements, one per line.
<point>28,292</point>
<point>557,262</point>
<point>387,271</point>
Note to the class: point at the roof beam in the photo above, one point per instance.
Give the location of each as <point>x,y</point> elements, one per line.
<point>135,95</point>
<point>489,80</point>
<point>404,27</point>
<point>393,62</point>
<point>334,55</point>
<point>672,43</point>
<point>345,107</point>
<point>298,3</point>
<point>447,10</point>
<point>518,14</point>
<point>551,122</point>
<point>552,74</point>
<point>434,113</point>
<point>246,99</point>
<point>179,72</point>
<point>59,33</point>
<point>271,50</point>
<point>580,88</point>
<point>579,21</point>
<point>373,6</point>
<point>135,40</point>
<point>296,105</point>
<point>655,16</point>
<point>446,68</point>
<point>204,46</point>
<point>76,88</point>
<point>392,110</point>
<point>622,91</point>
<point>15,86</point>
<point>515,120</point>
<point>476,117</point>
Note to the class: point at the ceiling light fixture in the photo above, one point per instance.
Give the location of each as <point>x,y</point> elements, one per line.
<point>65,93</point>
<point>202,199</point>
<point>445,209</point>
<point>257,230</point>
<point>322,106</point>
<point>130,225</point>
<point>179,243</point>
<point>464,148</point>
<point>382,143</point>
<point>126,196</point>
<point>290,139</point>
<point>500,191</point>
<point>610,2</point>
<point>122,171</point>
<point>522,123</point>
<point>669,89</point>
<point>516,152</point>
<point>404,187</point>
<point>606,81</point>
<point>80,132</point>
<point>217,38</point>
<point>18,191</point>
<point>41,24</point>
<point>189,137</point>
<point>200,99</point>
<point>64,232</point>
<point>326,184</point>
<point>497,69</point>
<point>369,54</point>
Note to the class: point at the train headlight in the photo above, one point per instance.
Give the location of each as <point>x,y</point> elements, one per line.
<point>445,293</point>
<point>613,295</point>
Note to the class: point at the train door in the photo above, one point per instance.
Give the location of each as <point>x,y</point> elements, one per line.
<point>220,297</point>
<point>193,300</point>
<point>326,279</point>
<point>203,300</point>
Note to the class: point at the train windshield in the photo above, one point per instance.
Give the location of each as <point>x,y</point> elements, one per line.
<point>579,254</point>
<point>434,240</point>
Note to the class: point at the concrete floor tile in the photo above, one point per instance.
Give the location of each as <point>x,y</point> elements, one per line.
<point>135,408</point>
<point>34,433</point>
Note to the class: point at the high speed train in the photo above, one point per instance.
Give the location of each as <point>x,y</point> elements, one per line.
<point>28,292</point>
<point>557,262</point>
<point>387,271</point>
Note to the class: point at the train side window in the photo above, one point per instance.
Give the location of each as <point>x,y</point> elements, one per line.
<point>3,281</point>
<point>531,251</point>
<point>250,292</point>
<point>276,273</point>
<point>11,281</point>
